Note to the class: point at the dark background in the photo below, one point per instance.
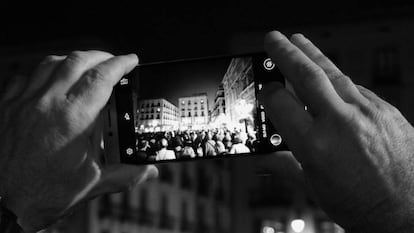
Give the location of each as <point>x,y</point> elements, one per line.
<point>160,30</point>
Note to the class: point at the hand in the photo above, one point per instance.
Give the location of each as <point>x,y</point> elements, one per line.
<point>51,134</point>
<point>356,150</point>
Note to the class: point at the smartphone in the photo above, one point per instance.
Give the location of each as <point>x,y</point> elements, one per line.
<point>192,109</point>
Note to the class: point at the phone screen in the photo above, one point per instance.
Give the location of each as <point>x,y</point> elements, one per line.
<point>196,109</point>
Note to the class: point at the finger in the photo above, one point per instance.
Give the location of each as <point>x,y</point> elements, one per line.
<point>286,114</point>
<point>73,67</point>
<point>309,81</point>
<point>121,177</point>
<point>42,74</point>
<point>343,85</point>
<point>14,88</point>
<point>92,91</point>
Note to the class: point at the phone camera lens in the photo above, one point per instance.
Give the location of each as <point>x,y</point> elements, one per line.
<point>275,139</point>
<point>268,64</point>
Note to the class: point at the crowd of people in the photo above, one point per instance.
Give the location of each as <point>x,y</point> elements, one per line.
<point>188,144</point>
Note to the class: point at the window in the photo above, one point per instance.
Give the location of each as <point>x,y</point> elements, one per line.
<point>195,108</point>
<point>202,101</point>
<point>152,105</point>
<point>158,109</point>
<point>195,114</point>
<point>158,116</point>
<point>185,178</point>
<point>185,225</point>
<point>166,175</point>
<point>189,102</point>
<point>145,216</point>
<point>159,104</point>
<point>189,114</point>
<point>182,102</point>
<point>166,220</point>
<point>126,213</point>
<point>202,182</point>
<point>105,206</point>
<point>201,226</point>
<point>202,113</point>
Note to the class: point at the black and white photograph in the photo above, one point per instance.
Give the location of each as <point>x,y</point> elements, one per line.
<point>206,117</point>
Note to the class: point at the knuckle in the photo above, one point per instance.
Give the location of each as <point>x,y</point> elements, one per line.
<point>310,70</point>
<point>95,75</point>
<point>337,76</point>
<point>49,59</point>
<point>75,58</point>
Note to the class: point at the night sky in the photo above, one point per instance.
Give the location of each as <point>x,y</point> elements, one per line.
<point>174,80</point>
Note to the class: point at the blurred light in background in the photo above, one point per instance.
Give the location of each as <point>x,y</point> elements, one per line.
<point>268,229</point>
<point>298,225</point>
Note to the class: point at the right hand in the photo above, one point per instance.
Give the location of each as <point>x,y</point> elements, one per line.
<point>356,150</point>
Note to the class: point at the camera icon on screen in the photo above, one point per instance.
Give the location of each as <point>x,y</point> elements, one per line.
<point>268,64</point>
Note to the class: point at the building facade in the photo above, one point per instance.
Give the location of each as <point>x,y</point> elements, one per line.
<point>194,111</point>
<point>218,111</point>
<point>187,197</point>
<point>239,93</point>
<point>156,115</point>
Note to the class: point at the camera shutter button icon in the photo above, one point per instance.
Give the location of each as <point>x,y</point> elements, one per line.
<point>268,64</point>
<point>129,151</point>
<point>275,139</point>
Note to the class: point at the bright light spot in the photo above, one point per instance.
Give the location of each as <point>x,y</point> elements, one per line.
<point>267,229</point>
<point>298,225</point>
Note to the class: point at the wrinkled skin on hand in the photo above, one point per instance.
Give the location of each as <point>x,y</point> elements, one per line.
<point>356,150</point>
<point>51,134</point>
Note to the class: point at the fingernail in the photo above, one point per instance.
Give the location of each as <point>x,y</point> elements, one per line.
<point>133,55</point>
<point>152,173</point>
<point>274,36</point>
<point>268,89</point>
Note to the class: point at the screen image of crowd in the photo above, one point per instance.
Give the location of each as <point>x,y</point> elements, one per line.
<point>189,144</point>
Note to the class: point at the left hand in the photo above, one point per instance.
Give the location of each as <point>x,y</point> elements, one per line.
<point>51,134</point>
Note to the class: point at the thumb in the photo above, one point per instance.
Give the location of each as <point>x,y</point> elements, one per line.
<point>286,114</point>
<point>120,177</point>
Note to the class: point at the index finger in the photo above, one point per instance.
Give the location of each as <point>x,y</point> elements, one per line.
<point>309,81</point>
<point>93,89</point>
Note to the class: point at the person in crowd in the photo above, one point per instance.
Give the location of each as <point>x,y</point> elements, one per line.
<point>220,148</point>
<point>238,146</point>
<point>163,153</point>
<point>142,147</point>
<point>251,142</point>
<point>227,140</point>
<point>209,145</point>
